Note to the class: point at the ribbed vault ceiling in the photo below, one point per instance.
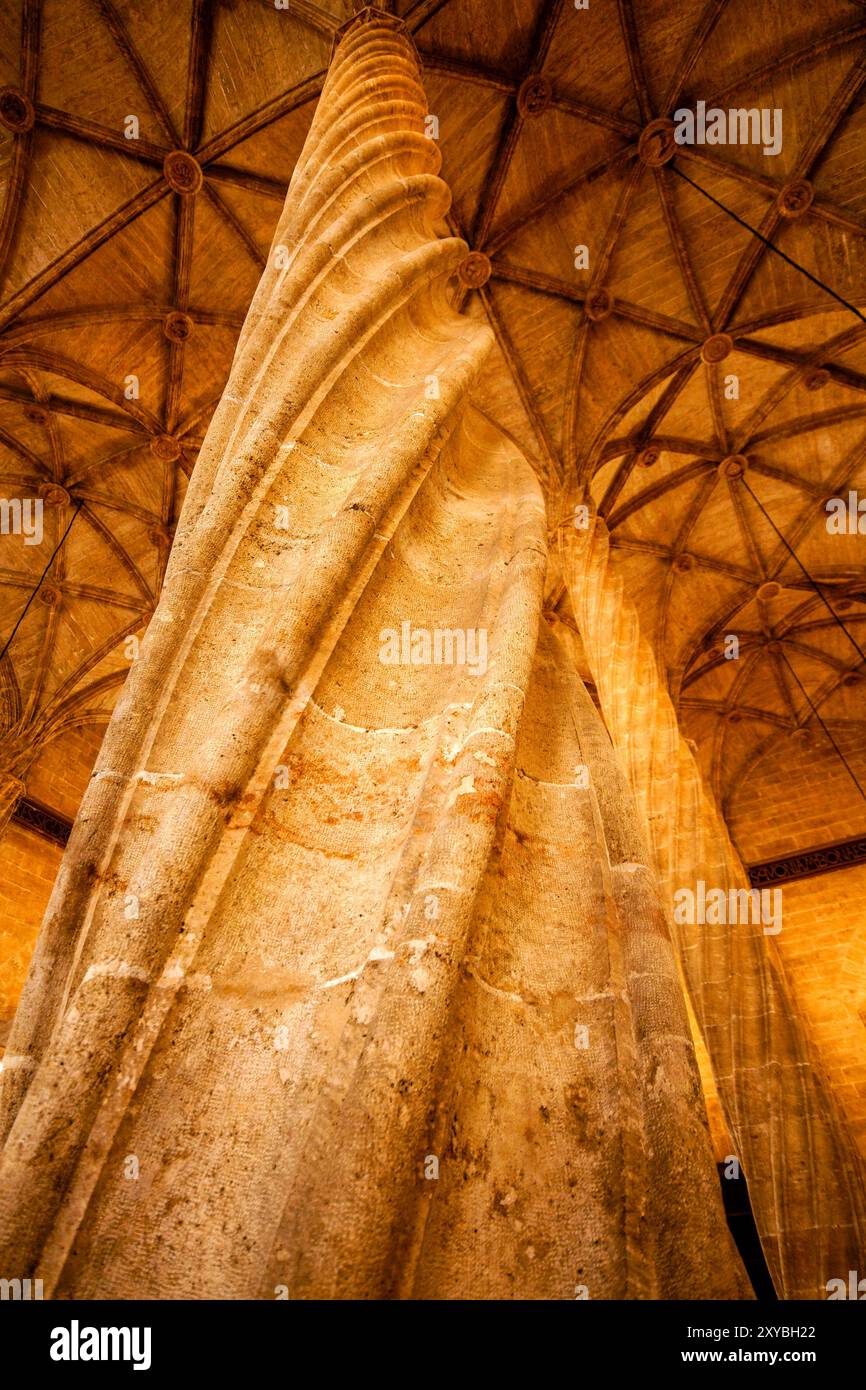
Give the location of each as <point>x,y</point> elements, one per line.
<point>119,261</point>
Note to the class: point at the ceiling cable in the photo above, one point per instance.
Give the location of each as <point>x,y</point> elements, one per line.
<point>814,710</point>
<point>815,585</point>
<point>23,615</point>
<point>749,228</point>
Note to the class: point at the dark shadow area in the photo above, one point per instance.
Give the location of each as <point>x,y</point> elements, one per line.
<point>741,1223</point>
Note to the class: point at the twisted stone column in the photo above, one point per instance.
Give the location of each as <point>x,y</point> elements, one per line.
<point>803,1171</point>
<point>355,981</point>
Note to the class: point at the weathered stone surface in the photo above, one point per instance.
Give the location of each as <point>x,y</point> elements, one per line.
<point>804,1173</point>
<point>328,924</point>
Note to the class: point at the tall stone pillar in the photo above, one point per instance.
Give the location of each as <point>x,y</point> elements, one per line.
<point>803,1171</point>
<point>18,747</point>
<point>355,981</point>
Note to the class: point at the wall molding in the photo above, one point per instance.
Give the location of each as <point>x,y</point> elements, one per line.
<point>824,859</point>
<point>32,815</point>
